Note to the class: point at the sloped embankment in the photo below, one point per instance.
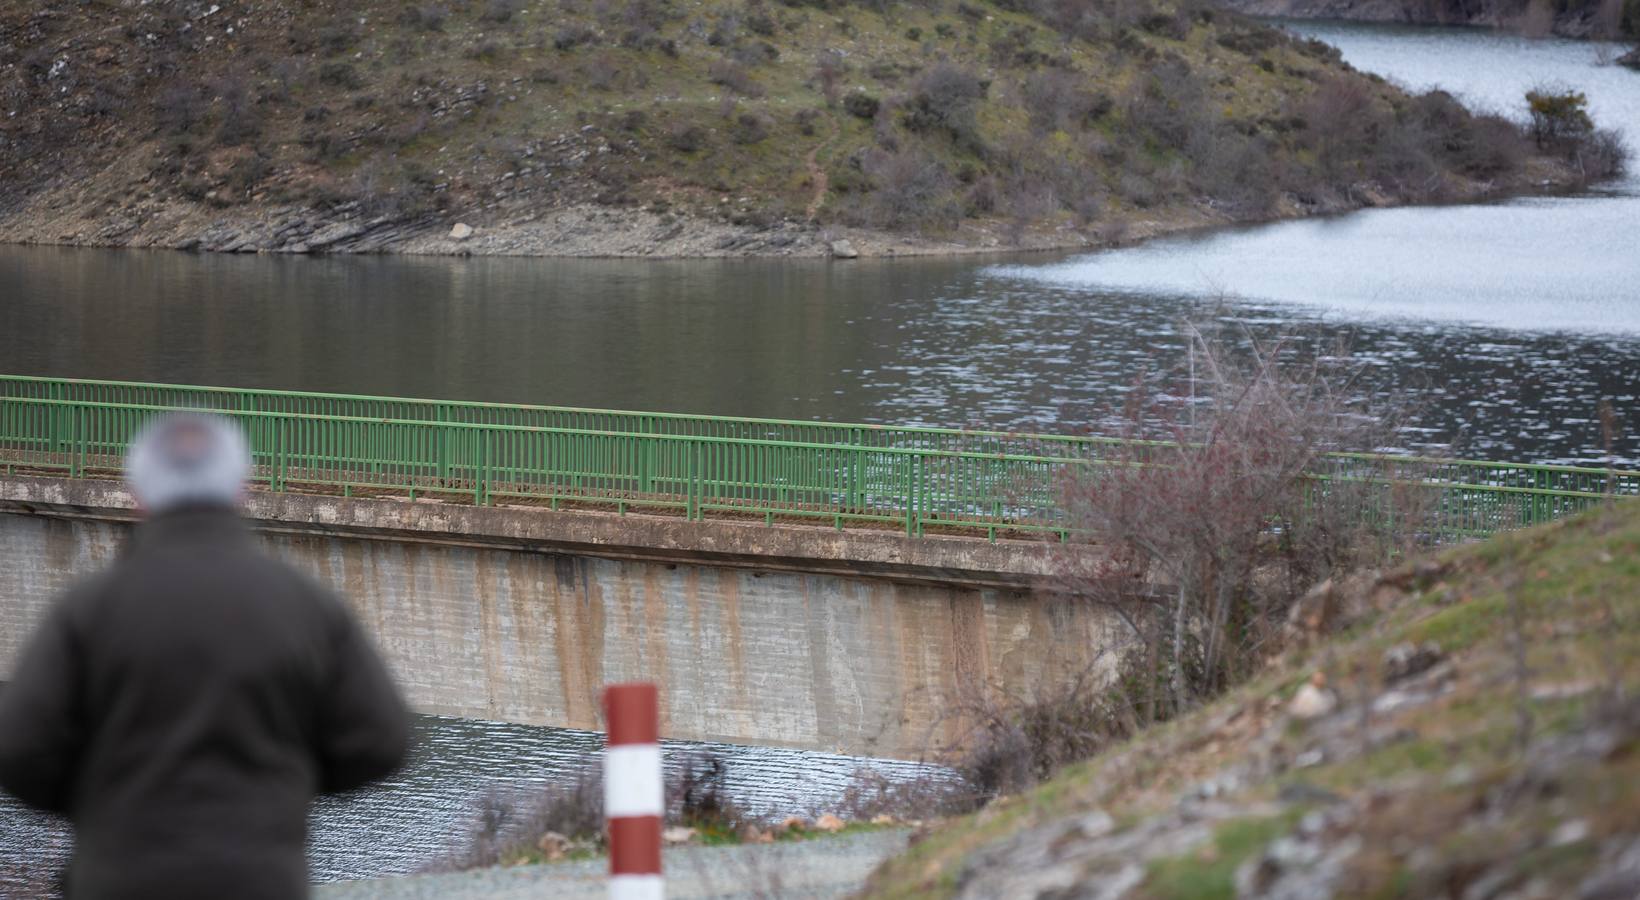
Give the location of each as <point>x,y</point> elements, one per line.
<point>1477,736</point>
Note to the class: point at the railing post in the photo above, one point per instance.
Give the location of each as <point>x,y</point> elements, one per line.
<point>691,503</point>
<point>55,418</point>
<point>481,471</point>
<point>646,472</point>
<point>856,492</point>
<point>76,458</point>
<point>443,451</point>
<point>276,478</point>
<point>913,463</point>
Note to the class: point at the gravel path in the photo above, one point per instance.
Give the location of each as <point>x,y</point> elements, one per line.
<point>819,868</point>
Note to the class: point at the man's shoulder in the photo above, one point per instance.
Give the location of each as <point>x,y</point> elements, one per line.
<point>254,573</point>
<point>84,595</point>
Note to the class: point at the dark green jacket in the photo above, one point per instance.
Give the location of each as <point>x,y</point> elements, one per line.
<point>184,707</point>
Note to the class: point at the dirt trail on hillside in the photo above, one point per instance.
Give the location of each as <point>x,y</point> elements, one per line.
<point>818,176</point>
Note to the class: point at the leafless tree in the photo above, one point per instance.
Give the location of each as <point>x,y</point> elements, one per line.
<point>1225,504</point>
<point>829,70</point>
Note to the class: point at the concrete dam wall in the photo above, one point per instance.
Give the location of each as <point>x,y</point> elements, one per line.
<point>479,619</point>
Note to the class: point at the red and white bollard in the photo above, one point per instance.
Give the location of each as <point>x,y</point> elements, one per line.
<point>634,800</point>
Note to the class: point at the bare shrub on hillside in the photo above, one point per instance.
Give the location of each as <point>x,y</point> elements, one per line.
<point>1479,146</point>
<point>338,37</point>
<point>391,191</point>
<point>1171,103</point>
<point>180,107</point>
<point>341,75</point>
<point>1237,171</point>
<point>1603,155</point>
<point>1214,529</point>
<point>1033,202</point>
<point>602,72</point>
<point>499,11</point>
<point>911,189</point>
<point>238,122</point>
<point>1340,122</point>
<point>829,70</point>
<point>862,105</point>
<point>425,16</point>
<point>735,77</point>
<point>1058,100</point>
<point>1010,742</point>
<point>751,128</point>
<point>945,97</point>
<point>574,35</point>
<point>686,138</point>
<point>1138,190</point>
<point>1075,19</point>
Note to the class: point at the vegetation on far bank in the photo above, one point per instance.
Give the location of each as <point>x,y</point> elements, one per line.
<point>916,117</point>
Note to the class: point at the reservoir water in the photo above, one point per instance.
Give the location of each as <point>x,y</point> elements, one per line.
<point>1511,322</point>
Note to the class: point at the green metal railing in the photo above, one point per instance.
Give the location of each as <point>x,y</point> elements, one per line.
<point>912,478</point>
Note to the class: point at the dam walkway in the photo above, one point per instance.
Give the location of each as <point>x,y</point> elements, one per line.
<point>910,479</point>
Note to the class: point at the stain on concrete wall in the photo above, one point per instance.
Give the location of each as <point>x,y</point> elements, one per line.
<point>818,661</point>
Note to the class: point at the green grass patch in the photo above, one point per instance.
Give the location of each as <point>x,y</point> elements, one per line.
<point>1210,874</point>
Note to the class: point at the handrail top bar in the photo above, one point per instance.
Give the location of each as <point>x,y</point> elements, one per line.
<point>280,415</point>
<point>531,407</point>
<point>908,429</point>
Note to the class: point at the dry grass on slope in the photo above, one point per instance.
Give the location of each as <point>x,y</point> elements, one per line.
<point>1479,737</point>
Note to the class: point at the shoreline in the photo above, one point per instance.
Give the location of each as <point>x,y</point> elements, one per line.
<point>590,231</point>
<point>1576,25</point>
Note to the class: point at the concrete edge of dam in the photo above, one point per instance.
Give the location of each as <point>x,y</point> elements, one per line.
<point>957,561</point>
<point>856,642</point>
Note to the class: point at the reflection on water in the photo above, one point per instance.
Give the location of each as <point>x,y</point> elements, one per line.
<point>934,342</point>
<point>422,813</point>
<point>1501,266</point>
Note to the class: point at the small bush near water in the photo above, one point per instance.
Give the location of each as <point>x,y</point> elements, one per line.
<point>512,824</point>
<point>566,817</point>
<point>1561,123</point>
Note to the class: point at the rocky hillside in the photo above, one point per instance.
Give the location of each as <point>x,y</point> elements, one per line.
<point>697,127</point>
<point>1608,20</point>
<point>1474,733</point>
